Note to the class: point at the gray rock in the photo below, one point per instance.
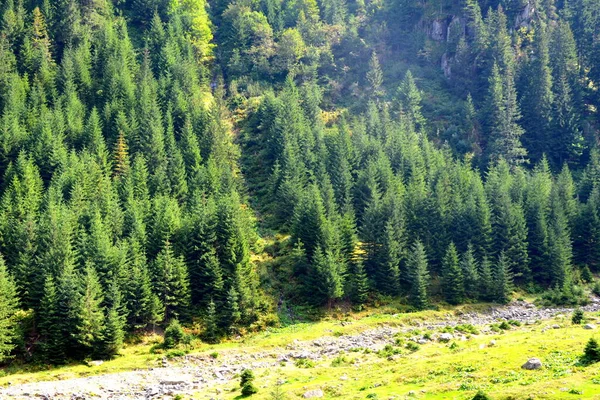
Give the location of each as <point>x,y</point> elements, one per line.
<point>445,337</point>
<point>555,326</point>
<point>589,326</point>
<point>313,394</point>
<point>532,363</point>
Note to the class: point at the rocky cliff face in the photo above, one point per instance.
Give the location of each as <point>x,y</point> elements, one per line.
<point>450,28</point>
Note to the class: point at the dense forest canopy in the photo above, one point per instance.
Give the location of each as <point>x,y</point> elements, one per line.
<point>218,162</point>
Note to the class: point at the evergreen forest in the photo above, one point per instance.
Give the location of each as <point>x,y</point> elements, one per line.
<point>221,162</point>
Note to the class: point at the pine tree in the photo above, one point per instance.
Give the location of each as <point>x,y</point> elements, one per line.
<point>419,276</point>
<point>52,346</point>
<point>559,241</point>
<point>359,283</point>
<point>504,130</point>
<point>172,283</point>
<point>486,281</point>
<point>470,272</point>
<point>453,285</point>
<point>537,98</point>
<point>503,282</point>
<point>327,277</point>
<point>113,333</point>
<point>8,308</point>
<point>411,101</point>
<point>91,315</point>
<point>211,331</point>
<point>375,78</point>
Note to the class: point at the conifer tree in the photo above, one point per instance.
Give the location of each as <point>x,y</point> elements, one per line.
<point>502,278</point>
<point>327,276</point>
<point>375,78</point>
<point>537,98</point>
<point>113,333</point>
<point>211,330</point>
<point>8,308</point>
<point>171,282</point>
<point>53,347</point>
<point>411,101</point>
<point>358,282</point>
<point>504,130</point>
<point>419,276</point>
<point>470,272</point>
<point>91,313</point>
<point>453,285</point>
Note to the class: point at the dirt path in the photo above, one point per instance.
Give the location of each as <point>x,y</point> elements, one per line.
<point>199,373</point>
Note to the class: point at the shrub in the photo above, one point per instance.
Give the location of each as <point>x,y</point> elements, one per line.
<point>246,383</point>
<point>504,326</point>
<point>592,351</point>
<point>174,334</point>
<point>467,328</point>
<point>481,396</point>
<point>577,317</point>
<point>412,346</point>
<point>304,363</point>
<point>249,389</point>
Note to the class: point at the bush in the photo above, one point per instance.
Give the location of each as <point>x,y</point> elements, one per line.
<point>246,383</point>
<point>481,396</point>
<point>592,351</point>
<point>577,317</point>
<point>412,346</point>
<point>304,363</point>
<point>249,389</point>
<point>174,334</point>
<point>504,326</point>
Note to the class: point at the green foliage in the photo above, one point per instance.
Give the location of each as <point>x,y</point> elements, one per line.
<point>174,334</point>
<point>577,317</point>
<point>481,396</point>
<point>592,351</point>
<point>8,308</point>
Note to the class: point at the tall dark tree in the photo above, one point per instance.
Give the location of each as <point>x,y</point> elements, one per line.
<point>8,308</point>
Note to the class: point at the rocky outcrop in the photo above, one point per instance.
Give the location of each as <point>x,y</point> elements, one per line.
<point>523,19</point>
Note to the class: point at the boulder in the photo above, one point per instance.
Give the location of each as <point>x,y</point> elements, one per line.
<point>445,337</point>
<point>313,394</point>
<point>555,326</point>
<point>589,326</point>
<point>532,363</point>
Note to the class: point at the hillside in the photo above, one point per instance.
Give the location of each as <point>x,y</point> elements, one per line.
<point>210,170</point>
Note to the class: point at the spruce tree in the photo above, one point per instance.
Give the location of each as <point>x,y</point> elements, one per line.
<point>502,279</point>
<point>113,333</point>
<point>91,315</point>
<point>171,282</point>
<point>419,276</point>
<point>470,272</point>
<point>453,285</point>
<point>8,308</point>
<point>486,280</point>
<point>49,322</point>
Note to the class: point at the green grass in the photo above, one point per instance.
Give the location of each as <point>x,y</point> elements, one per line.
<point>454,370</point>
